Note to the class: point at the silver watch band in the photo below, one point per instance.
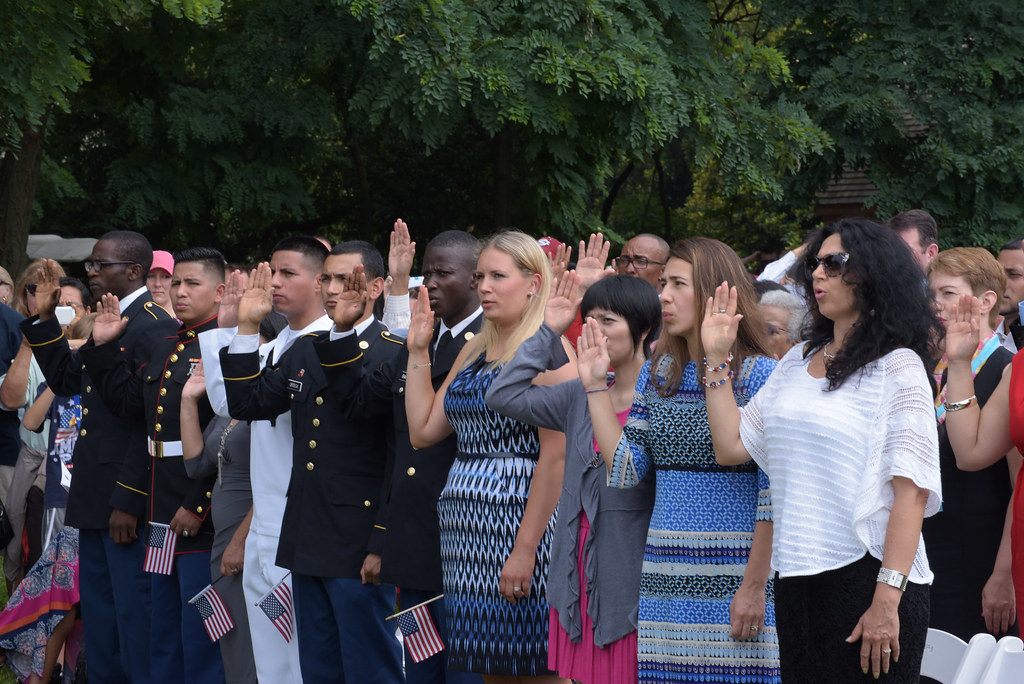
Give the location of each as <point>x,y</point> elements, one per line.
<point>893,578</point>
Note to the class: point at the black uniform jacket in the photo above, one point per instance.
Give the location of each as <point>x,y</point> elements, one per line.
<point>152,395</point>
<point>338,465</point>
<point>109,446</point>
<point>406,534</point>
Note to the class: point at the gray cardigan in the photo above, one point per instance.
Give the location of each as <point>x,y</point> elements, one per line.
<point>619,518</point>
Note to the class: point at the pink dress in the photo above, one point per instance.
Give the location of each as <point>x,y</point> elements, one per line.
<point>616,663</point>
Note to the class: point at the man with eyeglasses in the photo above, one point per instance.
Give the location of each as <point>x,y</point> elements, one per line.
<point>108,493</point>
<point>644,256</point>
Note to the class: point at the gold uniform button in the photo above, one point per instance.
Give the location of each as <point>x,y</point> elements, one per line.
<point>158,427</point>
<point>209,495</point>
<point>88,388</point>
<point>163,391</point>
<point>174,358</point>
<point>410,472</point>
<point>167,374</point>
<point>312,444</point>
<point>180,347</point>
<point>83,433</point>
<point>316,422</point>
<point>367,503</point>
<point>199,509</point>
<point>468,336</point>
<point>191,333</point>
<point>309,465</point>
<point>159,409</point>
<point>148,378</point>
<point>319,401</point>
<point>363,344</point>
<point>292,395</point>
<point>85,412</point>
<point>401,390</point>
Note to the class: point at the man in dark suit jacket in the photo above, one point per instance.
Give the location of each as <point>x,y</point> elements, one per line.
<point>338,473</point>
<point>109,490</point>
<point>407,541</point>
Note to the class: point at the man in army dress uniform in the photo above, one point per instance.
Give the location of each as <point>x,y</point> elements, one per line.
<point>109,490</point>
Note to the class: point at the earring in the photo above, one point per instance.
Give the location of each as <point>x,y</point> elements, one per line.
<point>529,295</point>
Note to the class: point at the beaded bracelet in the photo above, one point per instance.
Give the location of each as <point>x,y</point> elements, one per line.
<point>718,369</point>
<point>598,389</point>
<point>717,384</point>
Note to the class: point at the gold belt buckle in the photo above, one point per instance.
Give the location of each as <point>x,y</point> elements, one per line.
<point>158,448</point>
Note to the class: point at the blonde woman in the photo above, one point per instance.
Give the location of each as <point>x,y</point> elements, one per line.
<point>497,508</point>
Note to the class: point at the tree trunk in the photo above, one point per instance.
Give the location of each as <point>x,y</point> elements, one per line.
<point>609,201</point>
<point>503,178</point>
<point>19,177</point>
<point>663,196</point>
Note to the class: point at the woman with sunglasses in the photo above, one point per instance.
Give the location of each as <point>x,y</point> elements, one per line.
<point>706,610</point>
<point>845,428</point>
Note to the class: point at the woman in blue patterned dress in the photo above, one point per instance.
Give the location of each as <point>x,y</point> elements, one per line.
<point>497,508</point>
<point>706,605</point>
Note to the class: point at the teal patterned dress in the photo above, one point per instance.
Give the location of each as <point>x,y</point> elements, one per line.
<point>699,538</point>
<point>479,511</point>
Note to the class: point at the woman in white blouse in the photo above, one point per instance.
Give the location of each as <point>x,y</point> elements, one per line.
<point>845,428</point>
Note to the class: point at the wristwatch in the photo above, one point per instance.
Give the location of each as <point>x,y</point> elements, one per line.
<point>892,578</point>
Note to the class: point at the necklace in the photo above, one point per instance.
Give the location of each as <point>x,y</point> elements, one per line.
<point>223,445</point>
<point>828,356</point>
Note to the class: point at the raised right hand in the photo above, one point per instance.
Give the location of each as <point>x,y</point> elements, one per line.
<point>963,329</point>
<point>227,315</point>
<point>592,361</point>
<point>47,289</point>
<point>108,324</point>
<point>721,324</point>
<point>421,326</point>
<point>352,300</point>
<point>195,387</point>
<point>563,303</point>
<point>257,301</point>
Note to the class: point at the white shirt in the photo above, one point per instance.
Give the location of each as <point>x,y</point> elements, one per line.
<point>271,450</point>
<point>1005,338</point>
<point>831,457</point>
<point>128,299</point>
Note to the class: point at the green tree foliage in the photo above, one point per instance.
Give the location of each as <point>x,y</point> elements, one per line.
<point>925,97</point>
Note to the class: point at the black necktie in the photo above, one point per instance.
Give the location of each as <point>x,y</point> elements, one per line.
<point>444,343</point>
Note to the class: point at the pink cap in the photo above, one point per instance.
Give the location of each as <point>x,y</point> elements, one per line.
<point>162,259</point>
<point>550,245</point>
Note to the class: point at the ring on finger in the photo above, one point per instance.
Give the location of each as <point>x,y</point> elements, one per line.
<point>721,311</point>
<point>753,628</point>
<point>886,651</point>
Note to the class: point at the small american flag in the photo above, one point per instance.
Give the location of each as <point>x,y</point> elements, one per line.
<point>419,633</point>
<point>277,605</point>
<point>160,549</point>
<point>214,613</point>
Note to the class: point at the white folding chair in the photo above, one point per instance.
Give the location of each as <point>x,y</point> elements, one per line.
<point>942,655</point>
<point>977,657</point>
<point>1006,666</point>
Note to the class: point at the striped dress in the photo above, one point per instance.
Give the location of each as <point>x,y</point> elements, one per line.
<point>699,538</point>
<point>479,511</point>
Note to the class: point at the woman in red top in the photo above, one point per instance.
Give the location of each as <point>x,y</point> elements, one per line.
<point>981,437</point>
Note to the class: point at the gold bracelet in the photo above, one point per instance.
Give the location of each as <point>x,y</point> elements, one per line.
<point>419,365</point>
<point>957,405</point>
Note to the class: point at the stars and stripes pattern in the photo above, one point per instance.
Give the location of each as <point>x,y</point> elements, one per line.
<point>160,543</point>
<point>419,633</point>
<point>216,618</point>
<point>277,605</point>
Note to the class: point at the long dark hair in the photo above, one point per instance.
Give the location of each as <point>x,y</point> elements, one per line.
<point>893,301</point>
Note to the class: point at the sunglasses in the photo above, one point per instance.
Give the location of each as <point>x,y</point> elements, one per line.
<point>833,264</point>
<point>31,288</point>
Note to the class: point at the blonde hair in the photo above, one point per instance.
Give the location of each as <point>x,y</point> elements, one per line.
<point>82,328</point>
<point>29,276</point>
<point>531,260</point>
<point>978,267</point>
<point>712,262</point>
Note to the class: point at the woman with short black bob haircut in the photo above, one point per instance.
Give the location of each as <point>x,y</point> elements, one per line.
<point>845,428</point>
<point>598,549</point>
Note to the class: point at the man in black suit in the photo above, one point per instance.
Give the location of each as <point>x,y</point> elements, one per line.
<point>407,542</point>
<point>180,649</point>
<point>338,473</point>
<point>109,490</point>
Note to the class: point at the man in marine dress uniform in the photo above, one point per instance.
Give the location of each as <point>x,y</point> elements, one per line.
<point>180,649</point>
<point>109,490</point>
<point>338,473</point>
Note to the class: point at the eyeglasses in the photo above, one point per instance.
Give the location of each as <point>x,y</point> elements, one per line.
<point>833,264</point>
<point>776,330</point>
<point>639,263</point>
<point>31,288</point>
<point>97,266</point>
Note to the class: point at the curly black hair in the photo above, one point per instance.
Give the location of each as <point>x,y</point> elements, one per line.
<point>895,306</point>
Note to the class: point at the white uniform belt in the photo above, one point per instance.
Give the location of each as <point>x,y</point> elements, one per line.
<point>164,449</point>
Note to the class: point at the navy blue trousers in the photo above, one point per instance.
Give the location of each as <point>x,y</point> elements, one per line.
<point>343,635</point>
<point>115,608</point>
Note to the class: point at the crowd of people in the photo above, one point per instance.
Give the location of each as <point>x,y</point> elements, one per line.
<point>517,466</point>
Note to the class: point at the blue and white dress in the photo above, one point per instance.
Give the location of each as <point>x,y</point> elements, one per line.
<point>700,535</point>
<point>480,509</point>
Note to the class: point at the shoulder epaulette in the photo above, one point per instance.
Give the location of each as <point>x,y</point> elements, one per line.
<point>148,307</point>
<point>387,335</point>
